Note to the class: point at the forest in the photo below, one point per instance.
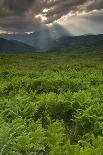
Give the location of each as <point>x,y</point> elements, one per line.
<point>51,104</point>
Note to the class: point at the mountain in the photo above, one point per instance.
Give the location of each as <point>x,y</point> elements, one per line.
<point>46,40</point>
<point>12,46</point>
<point>71,41</point>
<point>41,40</point>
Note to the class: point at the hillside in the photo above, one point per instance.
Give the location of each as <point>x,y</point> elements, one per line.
<point>12,46</point>
<point>43,41</point>
<point>85,40</point>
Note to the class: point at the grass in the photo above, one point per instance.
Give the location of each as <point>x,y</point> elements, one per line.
<point>51,104</point>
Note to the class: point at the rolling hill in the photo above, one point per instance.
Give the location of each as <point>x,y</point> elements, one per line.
<point>13,46</point>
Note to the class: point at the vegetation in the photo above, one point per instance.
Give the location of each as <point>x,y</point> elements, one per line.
<point>51,104</point>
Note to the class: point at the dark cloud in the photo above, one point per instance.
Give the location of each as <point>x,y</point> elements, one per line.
<point>64,7</point>
<point>14,7</point>
<point>21,15</point>
<point>20,24</point>
<point>95,5</point>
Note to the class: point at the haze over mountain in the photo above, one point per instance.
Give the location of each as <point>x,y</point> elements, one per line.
<point>42,39</point>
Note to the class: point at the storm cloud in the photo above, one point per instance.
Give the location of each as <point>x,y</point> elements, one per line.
<point>31,15</point>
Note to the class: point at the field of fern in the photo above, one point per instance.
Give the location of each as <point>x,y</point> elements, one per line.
<point>51,104</point>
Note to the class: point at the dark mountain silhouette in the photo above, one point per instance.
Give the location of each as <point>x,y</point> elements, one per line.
<point>12,46</point>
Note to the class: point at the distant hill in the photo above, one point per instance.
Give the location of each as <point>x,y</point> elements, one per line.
<point>45,40</point>
<point>41,40</point>
<point>73,41</point>
<point>13,46</point>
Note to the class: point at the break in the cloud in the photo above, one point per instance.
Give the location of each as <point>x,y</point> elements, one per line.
<point>32,15</point>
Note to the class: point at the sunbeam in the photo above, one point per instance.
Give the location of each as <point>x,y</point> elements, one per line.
<point>82,24</point>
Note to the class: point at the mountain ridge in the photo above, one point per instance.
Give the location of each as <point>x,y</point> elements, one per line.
<point>13,46</point>
<point>37,42</point>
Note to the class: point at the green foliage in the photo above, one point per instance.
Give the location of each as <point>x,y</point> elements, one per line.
<point>51,104</point>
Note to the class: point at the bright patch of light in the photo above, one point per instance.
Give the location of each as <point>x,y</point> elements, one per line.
<point>1,31</point>
<point>28,32</point>
<point>42,17</point>
<point>6,32</point>
<point>45,10</point>
<point>65,18</point>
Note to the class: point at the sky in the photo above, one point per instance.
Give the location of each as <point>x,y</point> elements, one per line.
<point>76,16</point>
